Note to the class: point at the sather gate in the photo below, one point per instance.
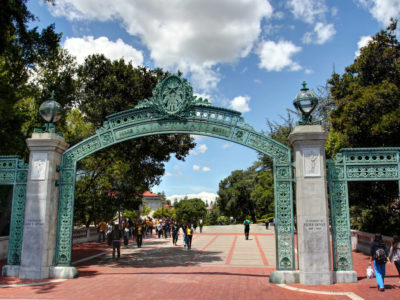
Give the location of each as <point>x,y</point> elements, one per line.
<point>174,109</point>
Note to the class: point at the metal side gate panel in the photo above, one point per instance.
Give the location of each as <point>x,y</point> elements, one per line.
<point>14,171</point>
<point>358,164</point>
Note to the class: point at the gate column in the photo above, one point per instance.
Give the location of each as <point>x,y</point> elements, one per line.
<point>39,235</point>
<point>314,248</point>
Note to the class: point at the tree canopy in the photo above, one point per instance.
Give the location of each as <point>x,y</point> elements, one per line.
<point>187,210</point>
<point>366,113</point>
<point>367,97</point>
<point>33,64</point>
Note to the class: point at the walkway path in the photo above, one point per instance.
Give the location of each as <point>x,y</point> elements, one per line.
<point>221,265</point>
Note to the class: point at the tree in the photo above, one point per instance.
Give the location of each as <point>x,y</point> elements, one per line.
<point>188,209</point>
<point>146,210</point>
<point>212,216</point>
<point>106,87</point>
<point>165,212</point>
<point>367,97</point>
<point>235,195</point>
<point>21,51</point>
<point>367,114</point>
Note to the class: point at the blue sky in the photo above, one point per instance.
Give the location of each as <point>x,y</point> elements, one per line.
<point>249,55</point>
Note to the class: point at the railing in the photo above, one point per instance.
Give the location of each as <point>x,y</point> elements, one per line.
<point>83,235</point>
<point>361,241</point>
<point>79,233</point>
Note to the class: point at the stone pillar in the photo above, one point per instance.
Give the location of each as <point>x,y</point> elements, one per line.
<point>40,225</point>
<point>314,247</point>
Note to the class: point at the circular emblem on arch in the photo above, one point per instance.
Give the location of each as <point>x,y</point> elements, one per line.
<point>175,95</point>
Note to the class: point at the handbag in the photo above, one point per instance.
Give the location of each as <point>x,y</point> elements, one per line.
<point>370,272</point>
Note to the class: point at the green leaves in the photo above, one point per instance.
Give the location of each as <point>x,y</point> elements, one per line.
<point>188,209</point>
<point>367,114</point>
<point>367,97</point>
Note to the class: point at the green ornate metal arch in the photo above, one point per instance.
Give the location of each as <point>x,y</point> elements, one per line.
<point>174,109</point>
<point>359,164</point>
<point>14,171</point>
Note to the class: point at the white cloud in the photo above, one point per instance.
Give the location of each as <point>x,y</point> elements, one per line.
<point>192,36</point>
<point>203,95</point>
<point>206,169</point>
<point>227,145</point>
<point>198,138</point>
<point>364,40</point>
<point>279,15</point>
<point>321,34</point>
<point>382,10</point>
<point>177,174</point>
<point>307,10</point>
<point>176,167</point>
<point>196,168</point>
<point>308,71</point>
<point>82,47</point>
<point>277,56</point>
<point>240,103</point>
<point>205,196</point>
<point>202,148</point>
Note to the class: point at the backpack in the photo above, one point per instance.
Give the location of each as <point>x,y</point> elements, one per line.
<point>380,256</point>
<point>189,232</point>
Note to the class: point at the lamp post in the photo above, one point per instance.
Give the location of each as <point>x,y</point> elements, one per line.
<point>51,112</point>
<point>305,103</point>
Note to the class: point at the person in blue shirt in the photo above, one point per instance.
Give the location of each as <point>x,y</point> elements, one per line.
<point>379,257</point>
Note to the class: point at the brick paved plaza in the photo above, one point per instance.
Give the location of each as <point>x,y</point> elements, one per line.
<point>220,265</point>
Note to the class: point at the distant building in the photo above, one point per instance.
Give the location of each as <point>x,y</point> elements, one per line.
<point>152,200</point>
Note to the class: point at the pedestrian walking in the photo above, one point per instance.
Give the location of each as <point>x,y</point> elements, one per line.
<point>159,230</point>
<point>379,257</point>
<point>110,226</point>
<point>246,224</point>
<point>394,254</point>
<point>184,227</point>
<point>151,225</point>
<point>139,235</point>
<point>201,225</point>
<point>116,241</point>
<point>126,230</point>
<point>194,224</point>
<point>101,229</point>
<point>189,236</point>
<point>175,232</point>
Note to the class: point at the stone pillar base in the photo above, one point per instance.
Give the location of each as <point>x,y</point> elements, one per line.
<point>345,276</point>
<point>10,270</point>
<point>280,277</point>
<point>316,278</point>
<point>63,272</point>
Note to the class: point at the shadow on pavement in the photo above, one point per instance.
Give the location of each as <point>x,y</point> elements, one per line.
<point>151,255</point>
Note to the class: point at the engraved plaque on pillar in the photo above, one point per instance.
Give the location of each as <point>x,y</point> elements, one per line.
<point>312,162</point>
<point>39,166</point>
